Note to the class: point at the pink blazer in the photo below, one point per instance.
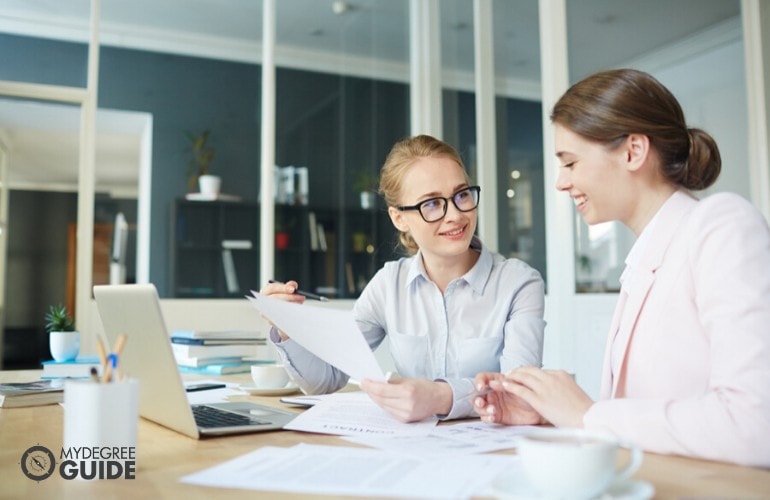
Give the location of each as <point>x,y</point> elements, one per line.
<point>695,376</point>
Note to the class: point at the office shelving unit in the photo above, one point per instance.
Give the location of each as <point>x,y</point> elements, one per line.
<point>334,252</point>
<point>204,233</point>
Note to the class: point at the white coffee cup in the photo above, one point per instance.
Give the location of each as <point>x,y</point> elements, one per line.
<point>269,376</point>
<point>574,463</point>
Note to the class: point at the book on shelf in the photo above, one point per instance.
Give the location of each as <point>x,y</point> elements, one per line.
<point>37,393</point>
<point>287,185</point>
<point>76,368</point>
<point>215,351</point>
<point>218,334</point>
<point>231,279</point>
<point>321,237</point>
<point>313,228</point>
<point>290,185</point>
<point>302,185</point>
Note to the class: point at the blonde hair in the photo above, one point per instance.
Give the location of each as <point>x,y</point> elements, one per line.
<point>402,155</point>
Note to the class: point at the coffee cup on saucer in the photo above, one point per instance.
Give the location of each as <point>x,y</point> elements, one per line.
<point>269,376</point>
<point>574,463</point>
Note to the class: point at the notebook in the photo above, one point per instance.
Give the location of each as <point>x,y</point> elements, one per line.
<point>135,311</point>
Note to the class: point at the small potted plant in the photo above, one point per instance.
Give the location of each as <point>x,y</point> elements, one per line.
<point>199,165</point>
<point>64,340</point>
<point>365,182</point>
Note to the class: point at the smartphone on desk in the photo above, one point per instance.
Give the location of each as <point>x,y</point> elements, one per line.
<point>204,386</point>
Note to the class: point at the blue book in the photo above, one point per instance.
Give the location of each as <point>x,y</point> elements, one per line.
<point>241,341</point>
<point>76,368</point>
<point>217,334</point>
<point>219,369</point>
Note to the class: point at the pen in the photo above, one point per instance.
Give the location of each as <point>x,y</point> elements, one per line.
<point>475,394</point>
<point>307,295</point>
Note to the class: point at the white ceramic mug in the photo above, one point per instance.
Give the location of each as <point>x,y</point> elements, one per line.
<point>574,463</point>
<point>269,376</point>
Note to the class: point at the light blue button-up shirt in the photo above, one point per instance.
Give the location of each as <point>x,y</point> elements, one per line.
<point>490,319</point>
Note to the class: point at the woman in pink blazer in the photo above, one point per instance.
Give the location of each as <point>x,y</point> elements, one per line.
<point>687,362</point>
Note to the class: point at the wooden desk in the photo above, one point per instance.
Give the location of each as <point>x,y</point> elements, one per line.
<point>163,457</point>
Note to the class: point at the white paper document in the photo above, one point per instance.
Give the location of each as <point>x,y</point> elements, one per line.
<point>343,470</point>
<point>459,439</point>
<point>330,334</point>
<point>354,414</point>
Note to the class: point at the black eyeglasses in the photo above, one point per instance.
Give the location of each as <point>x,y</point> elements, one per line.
<point>434,209</point>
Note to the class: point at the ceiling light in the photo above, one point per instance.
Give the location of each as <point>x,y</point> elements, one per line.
<point>339,7</point>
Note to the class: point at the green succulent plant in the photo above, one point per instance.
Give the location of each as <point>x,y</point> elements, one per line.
<point>59,320</point>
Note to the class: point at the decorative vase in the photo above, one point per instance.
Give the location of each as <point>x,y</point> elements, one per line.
<point>367,200</point>
<point>209,184</point>
<point>64,346</point>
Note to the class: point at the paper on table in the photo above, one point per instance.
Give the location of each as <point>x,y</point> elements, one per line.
<point>459,439</point>
<point>330,334</point>
<point>342,470</point>
<point>354,413</point>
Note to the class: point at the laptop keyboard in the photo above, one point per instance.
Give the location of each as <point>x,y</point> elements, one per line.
<point>208,416</point>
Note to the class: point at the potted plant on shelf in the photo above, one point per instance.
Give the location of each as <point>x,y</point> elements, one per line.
<point>365,182</point>
<point>199,165</point>
<point>63,339</point>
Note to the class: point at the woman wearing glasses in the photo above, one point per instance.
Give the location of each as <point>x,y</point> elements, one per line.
<point>450,310</point>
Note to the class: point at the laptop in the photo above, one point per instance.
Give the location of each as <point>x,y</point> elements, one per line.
<point>134,310</point>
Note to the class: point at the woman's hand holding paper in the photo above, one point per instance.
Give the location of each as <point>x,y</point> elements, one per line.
<point>282,291</point>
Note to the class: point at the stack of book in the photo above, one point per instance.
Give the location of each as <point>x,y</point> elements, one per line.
<point>219,352</point>
<point>39,392</point>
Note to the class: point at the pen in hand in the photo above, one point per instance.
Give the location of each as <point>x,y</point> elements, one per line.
<point>307,295</point>
<point>474,394</point>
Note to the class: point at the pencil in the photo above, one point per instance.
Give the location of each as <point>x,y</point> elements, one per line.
<point>102,355</point>
<point>113,360</point>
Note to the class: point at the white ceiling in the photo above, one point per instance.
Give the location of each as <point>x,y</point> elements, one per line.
<point>602,33</point>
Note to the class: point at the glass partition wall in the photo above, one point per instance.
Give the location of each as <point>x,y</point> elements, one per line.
<point>335,123</point>
<point>37,252</point>
<point>700,60</point>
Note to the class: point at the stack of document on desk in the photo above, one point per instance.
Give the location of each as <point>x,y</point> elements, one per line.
<point>219,352</point>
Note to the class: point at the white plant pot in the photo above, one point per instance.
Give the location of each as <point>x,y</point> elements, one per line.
<point>210,184</point>
<point>65,346</point>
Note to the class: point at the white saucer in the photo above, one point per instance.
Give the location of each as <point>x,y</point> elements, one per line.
<point>252,389</point>
<point>514,486</point>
